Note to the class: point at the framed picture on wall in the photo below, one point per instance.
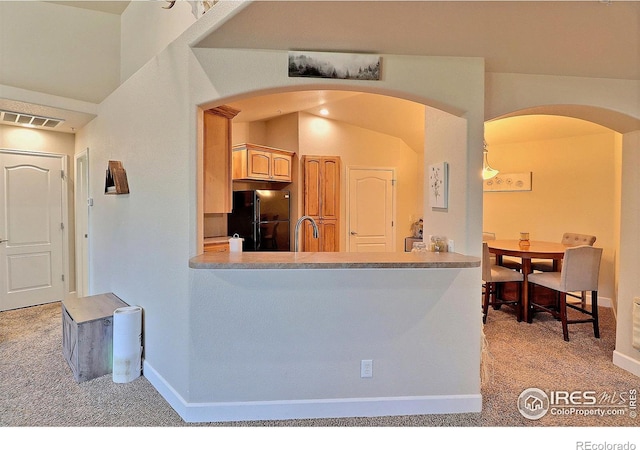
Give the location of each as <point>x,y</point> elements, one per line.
<point>438,185</point>
<point>343,66</point>
<point>509,182</point>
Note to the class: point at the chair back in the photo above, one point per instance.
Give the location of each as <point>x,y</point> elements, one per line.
<point>486,263</point>
<point>580,269</point>
<point>574,239</point>
<point>488,236</point>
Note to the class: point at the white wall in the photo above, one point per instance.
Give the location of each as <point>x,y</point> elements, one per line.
<point>141,242</point>
<point>609,102</point>
<point>629,282</point>
<point>53,33</point>
<point>295,349</point>
<point>37,140</point>
<point>446,141</point>
<point>139,44</point>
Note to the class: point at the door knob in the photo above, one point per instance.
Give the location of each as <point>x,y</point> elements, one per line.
<point>3,240</point>
<point>353,233</point>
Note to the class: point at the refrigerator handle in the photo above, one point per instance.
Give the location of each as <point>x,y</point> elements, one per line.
<point>257,233</point>
<point>256,222</point>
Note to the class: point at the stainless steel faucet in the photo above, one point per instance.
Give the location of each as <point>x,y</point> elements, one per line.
<point>313,224</point>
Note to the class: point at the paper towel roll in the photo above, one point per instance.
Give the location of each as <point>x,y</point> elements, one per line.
<point>127,344</point>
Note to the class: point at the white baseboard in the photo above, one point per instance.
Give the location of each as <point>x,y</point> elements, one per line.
<point>626,363</point>
<point>313,408</point>
<point>602,301</point>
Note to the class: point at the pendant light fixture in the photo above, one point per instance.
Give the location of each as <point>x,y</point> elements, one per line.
<point>487,171</point>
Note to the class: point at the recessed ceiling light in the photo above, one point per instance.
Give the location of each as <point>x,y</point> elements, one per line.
<point>324,112</point>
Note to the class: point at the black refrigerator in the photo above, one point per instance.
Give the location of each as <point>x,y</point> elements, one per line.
<point>261,218</point>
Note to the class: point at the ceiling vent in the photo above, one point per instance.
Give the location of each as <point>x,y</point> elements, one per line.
<point>15,118</point>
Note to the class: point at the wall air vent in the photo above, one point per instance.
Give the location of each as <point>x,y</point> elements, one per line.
<point>15,118</point>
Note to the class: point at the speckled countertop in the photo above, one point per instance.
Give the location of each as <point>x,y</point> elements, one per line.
<point>331,260</point>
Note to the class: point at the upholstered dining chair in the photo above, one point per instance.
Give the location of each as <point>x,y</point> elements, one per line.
<point>506,261</point>
<point>488,236</point>
<point>570,239</point>
<point>492,275</point>
<point>580,271</point>
<point>511,263</point>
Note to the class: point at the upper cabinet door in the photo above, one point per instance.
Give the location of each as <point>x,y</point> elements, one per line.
<point>259,163</point>
<point>281,166</point>
<point>216,154</point>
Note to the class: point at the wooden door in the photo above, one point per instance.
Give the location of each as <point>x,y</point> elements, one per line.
<point>322,202</point>
<point>330,192</point>
<point>31,229</point>
<point>370,210</point>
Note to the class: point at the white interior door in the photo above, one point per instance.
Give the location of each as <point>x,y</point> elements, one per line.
<point>370,210</point>
<point>31,230</point>
<point>82,204</point>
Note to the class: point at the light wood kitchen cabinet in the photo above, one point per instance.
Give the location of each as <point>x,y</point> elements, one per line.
<point>253,162</point>
<point>217,184</point>
<point>218,246</point>
<point>322,202</point>
<point>328,239</point>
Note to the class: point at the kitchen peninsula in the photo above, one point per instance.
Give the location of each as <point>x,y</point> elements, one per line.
<point>332,260</point>
<point>285,335</point>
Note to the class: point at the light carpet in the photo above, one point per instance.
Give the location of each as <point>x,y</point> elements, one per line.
<point>37,388</point>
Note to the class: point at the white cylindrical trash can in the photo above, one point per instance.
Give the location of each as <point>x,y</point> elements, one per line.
<point>127,344</point>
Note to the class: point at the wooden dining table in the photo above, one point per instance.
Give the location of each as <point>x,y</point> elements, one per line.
<point>534,250</point>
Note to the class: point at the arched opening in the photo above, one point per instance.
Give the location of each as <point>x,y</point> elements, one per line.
<point>575,170</point>
<point>365,130</point>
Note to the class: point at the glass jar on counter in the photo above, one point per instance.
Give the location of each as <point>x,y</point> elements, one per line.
<point>419,247</point>
<point>438,244</point>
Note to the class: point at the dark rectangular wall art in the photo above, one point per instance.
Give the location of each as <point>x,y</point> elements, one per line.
<point>342,66</point>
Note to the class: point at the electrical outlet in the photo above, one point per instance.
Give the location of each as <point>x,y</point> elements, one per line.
<point>366,368</point>
<point>450,247</point>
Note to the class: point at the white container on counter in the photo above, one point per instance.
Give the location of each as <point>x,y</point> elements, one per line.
<point>235,243</point>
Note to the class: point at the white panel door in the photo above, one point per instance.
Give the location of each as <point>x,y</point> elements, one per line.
<point>31,256</point>
<point>370,211</point>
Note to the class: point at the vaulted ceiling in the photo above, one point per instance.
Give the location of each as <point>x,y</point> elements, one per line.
<point>111,7</point>
<point>572,38</point>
